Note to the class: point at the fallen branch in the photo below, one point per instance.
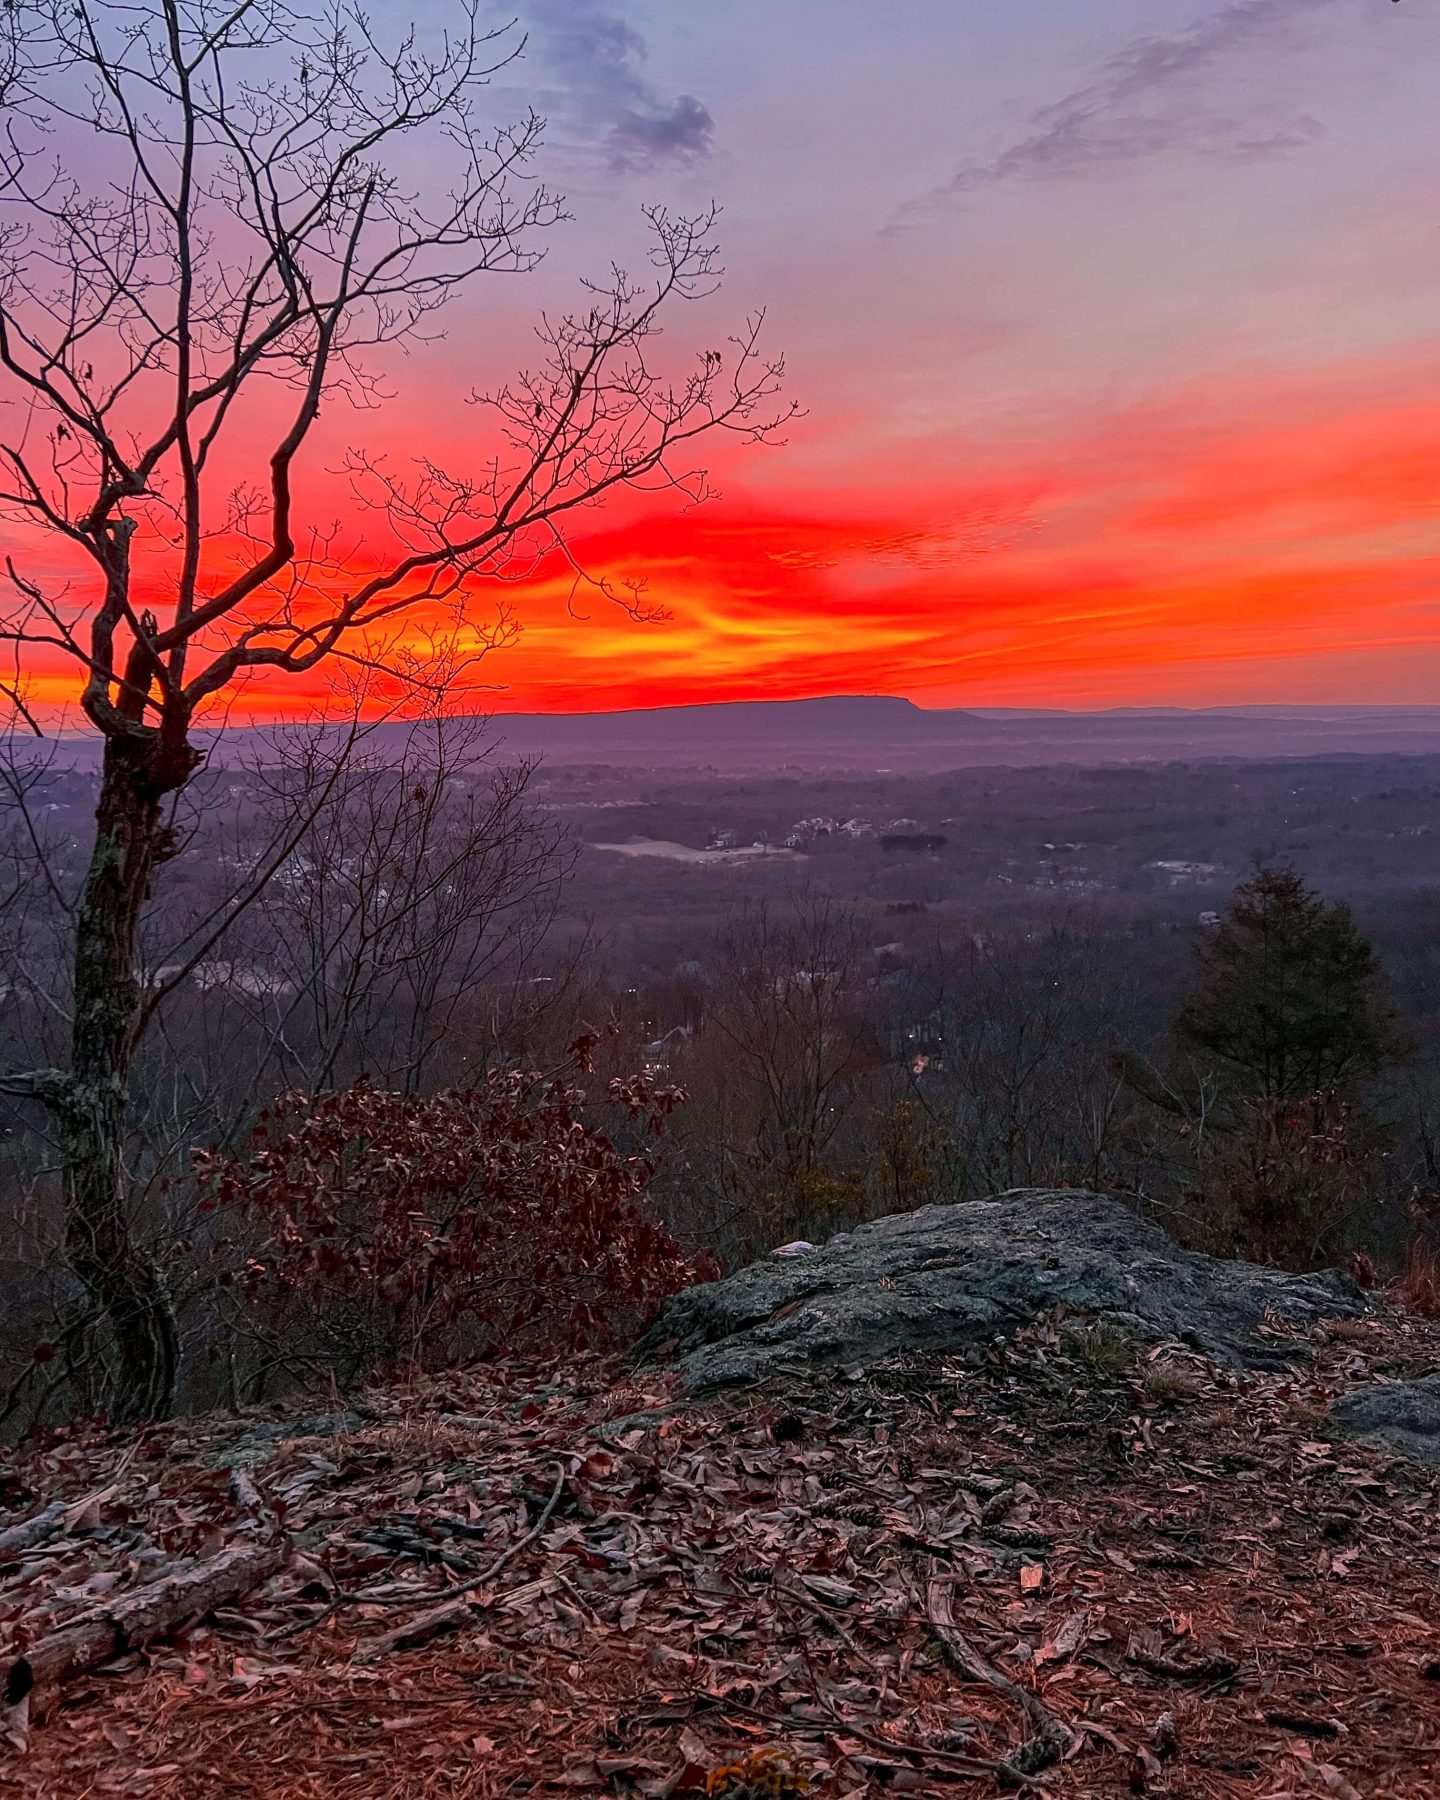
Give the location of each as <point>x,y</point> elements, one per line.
<point>952,1762</point>
<point>486,1575</point>
<point>1290,1718</point>
<point>59,1517</point>
<point>129,1620</point>
<point>243,1491</point>
<point>31,1532</point>
<point>1051,1740</point>
<point>450,1606</point>
<point>432,1623</point>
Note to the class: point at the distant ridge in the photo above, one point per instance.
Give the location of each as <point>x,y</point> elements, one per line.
<point>832,718</point>
<point>819,707</point>
<point>884,732</point>
<point>1258,710</point>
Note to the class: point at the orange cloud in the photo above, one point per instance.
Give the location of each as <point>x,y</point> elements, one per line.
<point>1261,539</point>
<point>1220,546</point>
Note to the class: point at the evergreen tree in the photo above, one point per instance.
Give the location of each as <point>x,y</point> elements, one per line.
<point>1288,1003</point>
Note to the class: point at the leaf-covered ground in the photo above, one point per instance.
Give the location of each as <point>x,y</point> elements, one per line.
<point>1119,1570</point>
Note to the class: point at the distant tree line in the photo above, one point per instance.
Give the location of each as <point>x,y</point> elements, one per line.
<point>365,934</point>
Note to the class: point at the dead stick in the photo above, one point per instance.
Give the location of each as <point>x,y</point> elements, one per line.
<point>133,1619</point>
<point>1052,1739</point>
<point>454,1592</point>
<point>432,1623</point>
<point>243,1491</point>
<point>31,1532</point>
<point>57,1518</point>
<point>951,1761</point>
<point>471,1582</point>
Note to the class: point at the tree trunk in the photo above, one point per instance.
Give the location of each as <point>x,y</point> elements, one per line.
<point>134,1618</point>
<point>121,1279</point>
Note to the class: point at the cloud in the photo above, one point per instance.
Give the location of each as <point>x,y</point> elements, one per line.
<point>598,58</point>
<point>1151,100</point>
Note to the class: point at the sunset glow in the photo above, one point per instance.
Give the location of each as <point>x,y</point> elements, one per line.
<point>1114,325</point>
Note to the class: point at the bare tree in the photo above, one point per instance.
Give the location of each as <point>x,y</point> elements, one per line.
<point>276,195</point>
<point>423,881</point>
<point>359,897</point>
<point>1012,1043</point>
<point>793,1022</point>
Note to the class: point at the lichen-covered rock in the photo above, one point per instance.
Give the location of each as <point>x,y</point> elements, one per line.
<point>950,1278</point>
<point>1402,1415</point>
<point>260,1442</point>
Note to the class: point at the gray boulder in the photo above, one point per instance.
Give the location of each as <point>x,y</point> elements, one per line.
<point>1399,1415</point>
<point>950,1278</point>
<point>260,1442</point>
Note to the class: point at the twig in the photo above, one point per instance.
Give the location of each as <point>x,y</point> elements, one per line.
<point>471,1582</point>
<point>1051,1740</point>
<point>454,1592</point>
<point>952,1761</point>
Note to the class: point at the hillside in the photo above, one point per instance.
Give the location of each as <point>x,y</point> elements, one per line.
<point>1071,1563</point>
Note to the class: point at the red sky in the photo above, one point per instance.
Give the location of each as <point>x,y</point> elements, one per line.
<point>1266,539</point>
<point>1116,326</point>
<point>1260,539</point>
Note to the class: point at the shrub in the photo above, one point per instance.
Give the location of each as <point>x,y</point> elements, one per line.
<point>1167,1383</point>
<point>1294,1182</point>
<point>394,1227</point>
<point>1104,1348</point>
<point>1418,1288</point>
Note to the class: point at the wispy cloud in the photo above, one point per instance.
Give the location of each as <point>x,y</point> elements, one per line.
<point>598,58</point>
<point>1157,97</point>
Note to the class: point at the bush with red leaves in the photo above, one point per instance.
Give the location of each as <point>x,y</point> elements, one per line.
<point>416,1228</point>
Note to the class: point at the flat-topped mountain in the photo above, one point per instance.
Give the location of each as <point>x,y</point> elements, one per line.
<point>880,731</point>
<point>885,732</point>
<point>846,726</point>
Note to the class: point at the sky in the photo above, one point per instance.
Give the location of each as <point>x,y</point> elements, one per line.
<point>1114,323</point>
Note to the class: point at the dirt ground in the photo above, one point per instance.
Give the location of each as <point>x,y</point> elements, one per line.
<point>1071,1567</point>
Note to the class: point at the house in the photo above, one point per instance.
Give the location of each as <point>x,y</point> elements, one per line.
<point>655,1056</point>
<point>242,978</point>
<point>1183,874</point>
<point>922,1041</point>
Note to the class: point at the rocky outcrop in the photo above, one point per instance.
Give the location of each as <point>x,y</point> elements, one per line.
<point>952,1278</point>
<point>1398,1415</point>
